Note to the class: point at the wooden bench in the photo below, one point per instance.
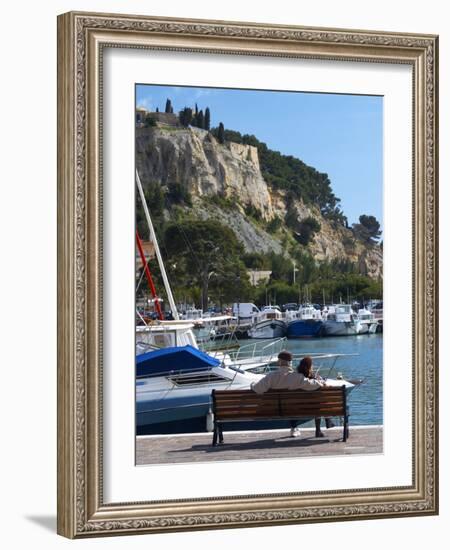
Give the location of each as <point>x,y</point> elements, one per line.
<point>243,405</point>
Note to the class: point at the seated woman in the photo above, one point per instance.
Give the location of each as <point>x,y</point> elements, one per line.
<point>305,368</point>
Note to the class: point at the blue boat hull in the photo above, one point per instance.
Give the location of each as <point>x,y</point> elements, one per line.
<point>171,410</point>
<point>197,424</point>
<point>304,328</point>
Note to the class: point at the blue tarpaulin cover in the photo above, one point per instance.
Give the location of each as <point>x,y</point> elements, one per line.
<point>181,358</point>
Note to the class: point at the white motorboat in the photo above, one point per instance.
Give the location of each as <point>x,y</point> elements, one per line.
<point>340,320</point>
<point>377,310</point>
<point>192,314</point>
<point>217,327</point>
<point>368,322</point>
<point>268,323</point>
<point>164,334</point>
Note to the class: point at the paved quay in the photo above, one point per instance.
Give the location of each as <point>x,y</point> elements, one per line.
<point>266,444</point>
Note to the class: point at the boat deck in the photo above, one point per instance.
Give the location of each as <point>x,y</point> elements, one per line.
<point>265,444</point>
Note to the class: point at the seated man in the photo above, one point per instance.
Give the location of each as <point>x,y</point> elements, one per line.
<point>285,378</point>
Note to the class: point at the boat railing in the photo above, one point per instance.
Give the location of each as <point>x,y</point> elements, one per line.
<point>220,343</point>
<point>320,367</point>
<point>262,348</point>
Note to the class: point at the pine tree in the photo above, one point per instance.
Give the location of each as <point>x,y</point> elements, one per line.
<point>186,116</point>
<point>200,121</point>
<point>221,133</point>
<point>157,109</point>
<point>169,108</point>
<point>368,229</point>
<point>207,119</point>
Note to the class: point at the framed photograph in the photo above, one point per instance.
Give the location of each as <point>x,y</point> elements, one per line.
<point>247,284</point>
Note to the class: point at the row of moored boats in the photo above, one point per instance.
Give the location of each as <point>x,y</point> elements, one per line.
<point>307,321</point>
<point>304,321</point>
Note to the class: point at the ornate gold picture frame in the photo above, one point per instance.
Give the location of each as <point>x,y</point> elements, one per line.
<point>82,41</point>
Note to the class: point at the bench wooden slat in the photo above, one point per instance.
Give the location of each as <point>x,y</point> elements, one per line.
<point>291,399</point>
<point>294,413</point>
<point>287,402</point>
<point>271,393</point>
<point>323,389</point>
<point>280,408</point>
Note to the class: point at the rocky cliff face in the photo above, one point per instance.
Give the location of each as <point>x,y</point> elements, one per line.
<point>206,169</point>
<point>194,158</point>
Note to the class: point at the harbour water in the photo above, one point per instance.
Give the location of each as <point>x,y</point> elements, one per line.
<point>365,401</point>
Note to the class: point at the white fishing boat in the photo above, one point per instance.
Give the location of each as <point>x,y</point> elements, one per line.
<point>268,323</point>
<point>377,310</point>
<point>208,329</point>
<point>368,322</point>
<point>340,320</point>
<point>192,314</point>
<point>306,322</point>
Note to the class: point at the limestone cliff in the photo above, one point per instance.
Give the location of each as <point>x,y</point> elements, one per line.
<point>225,182</point>
<point>194,158</point>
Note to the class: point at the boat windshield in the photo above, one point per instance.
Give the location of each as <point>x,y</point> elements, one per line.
<point>166,336</point>
<point>163,339</point>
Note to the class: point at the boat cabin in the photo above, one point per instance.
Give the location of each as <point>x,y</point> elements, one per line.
<point>164,335</point>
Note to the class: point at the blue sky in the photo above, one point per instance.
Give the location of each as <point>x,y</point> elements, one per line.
<point>341,135</point>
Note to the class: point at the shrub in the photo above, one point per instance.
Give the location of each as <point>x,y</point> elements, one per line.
<point>178,194</point>
<point>253,212</point>
<point>226,203</point>
<point>274,225</point>
<point>149,121</point>
<point>307,229</point>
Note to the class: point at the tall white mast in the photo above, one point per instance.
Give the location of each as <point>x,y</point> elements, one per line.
<point>173,307</point>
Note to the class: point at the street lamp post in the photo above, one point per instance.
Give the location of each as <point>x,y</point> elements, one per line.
<point>294,271</point>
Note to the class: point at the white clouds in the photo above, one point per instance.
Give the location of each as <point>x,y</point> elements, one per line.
<point>201,92</point>
<point>145,103</point>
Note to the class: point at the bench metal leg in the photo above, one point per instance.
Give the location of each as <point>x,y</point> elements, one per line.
<point>346,431</point>
<point>217,434</point>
